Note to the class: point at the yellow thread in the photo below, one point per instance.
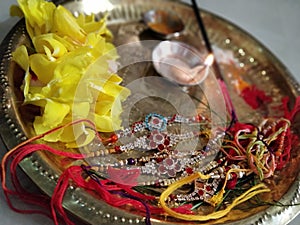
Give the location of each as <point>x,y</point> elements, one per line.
<point>216,199</point>
<point>181,182</point>
<point>257,189</point>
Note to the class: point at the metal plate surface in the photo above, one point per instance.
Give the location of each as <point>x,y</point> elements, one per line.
<point>256,64</point>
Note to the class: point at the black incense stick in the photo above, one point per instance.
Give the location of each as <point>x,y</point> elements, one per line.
<point>216,67</point>
<point>205,38</point>
<point>201,26</point>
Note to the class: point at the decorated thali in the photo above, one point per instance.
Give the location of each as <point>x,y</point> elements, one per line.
<point>251,62</point>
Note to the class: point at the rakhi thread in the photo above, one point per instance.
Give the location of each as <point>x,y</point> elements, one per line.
<point>16,155</point>
<point>255,190</point>
<point>268,135</point>
<point>263,148</point>
<point>73,174</point>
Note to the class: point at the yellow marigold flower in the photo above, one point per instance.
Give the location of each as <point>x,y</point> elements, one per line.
<point>70,75</point>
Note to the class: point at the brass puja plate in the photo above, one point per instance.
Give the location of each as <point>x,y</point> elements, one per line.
<point>256,64</point>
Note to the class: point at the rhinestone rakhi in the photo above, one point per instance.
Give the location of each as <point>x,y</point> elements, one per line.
<point>158,147</point>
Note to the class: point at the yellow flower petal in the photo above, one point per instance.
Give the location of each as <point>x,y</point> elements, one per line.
<point>65,24</point>
<point>42,67</point>
<point>74,62</point>
<point>116,109</point>
<point>20,56</point>
<point>103,107</point>
<point>54,113</point>
<point>111,121</point>
<point>103,123</point>
<point>83,140</point>
<point>116,90</point>
<point>89,24</point>
<point>57,46</point>
<point>71,133</point>
<point>26,84</point>
<point>40,128</point>
<point>62,90</point>
<point>115,79</point>
<point>38,15</point>
<point>75,67</point>
<point>104,97</point>
<point>80,110</point>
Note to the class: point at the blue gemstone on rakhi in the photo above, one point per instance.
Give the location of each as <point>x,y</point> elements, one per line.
<point>131,161</point>
<point>155,121</point>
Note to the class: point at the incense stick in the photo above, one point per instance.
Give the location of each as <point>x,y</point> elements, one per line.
<point>208,46</point>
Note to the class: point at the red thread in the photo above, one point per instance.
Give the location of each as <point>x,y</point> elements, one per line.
<point>12,159</point>
<point>70,174</point>
<point>290,114</point>
<point>227,98</point>
<point>255,97</point>
<point>290,139</point>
